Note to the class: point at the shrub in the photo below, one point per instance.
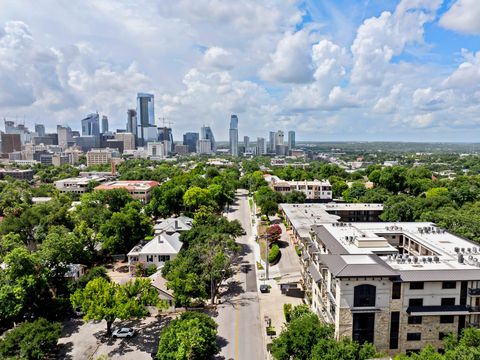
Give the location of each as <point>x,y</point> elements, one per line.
<point>151,269</point>
<point>274,254</point>
<point>287,310</point>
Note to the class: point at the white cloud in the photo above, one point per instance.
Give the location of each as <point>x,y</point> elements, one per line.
<point>388,104</point>
<point>218,58</point>
<point>292,60</point>
<point>381,38</point>
<point>463,16</point>
<point>330,61</point>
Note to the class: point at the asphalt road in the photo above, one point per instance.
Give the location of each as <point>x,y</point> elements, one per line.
<point>238,317</point>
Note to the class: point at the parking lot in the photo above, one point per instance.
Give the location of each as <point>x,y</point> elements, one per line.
<point>82,340</point>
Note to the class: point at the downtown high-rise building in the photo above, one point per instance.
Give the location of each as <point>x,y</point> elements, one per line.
<point>132,121</point>
<point>40,130</point>
<point>190,140</point>
<point>291,139</point>
<point>246,142</point>
<point>206,133</point>
<point>91,125</point>
<point>261,146</point>
<point>64,134</point>
<point>165,135</point>
<point>233,135</point>
<point>271,141</point>
<point>104,124</point>
<point>145,117</point>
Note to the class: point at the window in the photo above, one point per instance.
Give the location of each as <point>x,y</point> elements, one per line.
<point>149,258</point>
<point>415,302</point>
<point>447,319</point>
<point>396,290</point>
<point>414,336</point>
<point>448,301</point>
<point>416,285</point>
<point>364,295</point>
<point>394,327</point>
<point>449,285</point>
<point>414,319</point>
<point>442,335</point>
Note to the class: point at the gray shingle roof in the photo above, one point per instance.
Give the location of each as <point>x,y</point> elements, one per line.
<point>329,240</point>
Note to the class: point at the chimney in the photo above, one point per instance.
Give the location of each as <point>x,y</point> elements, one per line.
<point>176,224</point>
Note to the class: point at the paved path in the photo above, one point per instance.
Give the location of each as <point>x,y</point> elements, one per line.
<point>238,317</point>
<point>289,263</point>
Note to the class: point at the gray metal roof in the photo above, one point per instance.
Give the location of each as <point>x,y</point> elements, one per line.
<point>340,268</point>
<point>329,240</point>
<point>315,273</point>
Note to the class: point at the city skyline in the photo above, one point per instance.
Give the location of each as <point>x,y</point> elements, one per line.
<point>346,70</point>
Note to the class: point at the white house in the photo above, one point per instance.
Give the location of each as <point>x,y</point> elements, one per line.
<point>161,248</point>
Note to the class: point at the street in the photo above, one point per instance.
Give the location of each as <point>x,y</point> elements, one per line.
<point>238,317</point>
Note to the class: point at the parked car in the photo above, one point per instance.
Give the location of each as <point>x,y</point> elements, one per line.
<point>264,289</point>
<point>123,333</point>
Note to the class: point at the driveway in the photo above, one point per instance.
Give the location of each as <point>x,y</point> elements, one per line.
<point>85,341</point>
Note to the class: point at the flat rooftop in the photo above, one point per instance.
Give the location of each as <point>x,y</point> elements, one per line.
<point>449,252</point>
<point>303,216</point>
<point>81,180</point>
<point>130,185</point>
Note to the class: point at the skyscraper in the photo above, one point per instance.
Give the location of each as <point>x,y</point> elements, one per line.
<point>291,139</point>
<point>261,146</point>
<point>246,142</point>
<point>145,116</point>
<point>91,125</point>
<point>104,124</point>
<point>233,132</point>
<point>40,129</point>
<point>279,138</point>
<point>207,134</point>
<point>165,134</point>
<point>64,134</point>
<point>271,142</point>
<point>132,121</point>
<point>190,139</point>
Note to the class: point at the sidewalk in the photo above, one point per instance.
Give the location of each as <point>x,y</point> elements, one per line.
<point>271,304</point>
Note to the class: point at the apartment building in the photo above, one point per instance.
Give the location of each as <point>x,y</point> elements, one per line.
<point>78,185</point>
<point>100,156</point>
<point>141,190</point>
<point>314,190</point>
<point>400,286</point>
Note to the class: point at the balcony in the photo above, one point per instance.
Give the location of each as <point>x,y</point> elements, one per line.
<point>439,310</point>
<point>474,309</point>
<point>474,291</point>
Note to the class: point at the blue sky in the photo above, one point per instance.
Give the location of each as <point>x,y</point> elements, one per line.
<point>331,70</point>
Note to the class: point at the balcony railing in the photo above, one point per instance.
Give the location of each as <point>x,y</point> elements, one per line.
<point>474,292</point>
<point>474,309</point>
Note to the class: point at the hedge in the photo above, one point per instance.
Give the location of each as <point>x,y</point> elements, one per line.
<point>273,254</point>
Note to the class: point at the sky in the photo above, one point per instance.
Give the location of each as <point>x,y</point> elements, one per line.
<point>332,70</point>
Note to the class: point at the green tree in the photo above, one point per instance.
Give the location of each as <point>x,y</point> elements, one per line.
<point>105,300</point>
<point>193,336</point>
<point>299,338</point>
<point>196,197</point>
<point>31,340</point>
<point>125,229</point>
